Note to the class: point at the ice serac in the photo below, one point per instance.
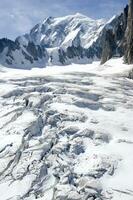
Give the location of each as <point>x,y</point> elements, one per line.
<point>73,139</point>
<point>129,35</point>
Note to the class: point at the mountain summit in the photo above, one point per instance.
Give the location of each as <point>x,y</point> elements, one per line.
<point>65,40</point>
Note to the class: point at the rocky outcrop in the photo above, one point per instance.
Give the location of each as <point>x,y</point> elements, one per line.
<point>4,42</point>
<point>130,75</point>
<point>81,54</point>
<point>109,46</point>
<point>112,37</point>
<point>13,54</point>
<point>129,35</point>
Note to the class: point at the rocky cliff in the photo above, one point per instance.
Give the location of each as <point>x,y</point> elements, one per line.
<point>129,35</point>
<point>112,38</point>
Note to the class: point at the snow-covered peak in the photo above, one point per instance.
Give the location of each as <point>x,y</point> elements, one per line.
<point>54,32</point>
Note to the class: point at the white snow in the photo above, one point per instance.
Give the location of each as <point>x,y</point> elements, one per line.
<point>69,38</point>
<point>74,138</point>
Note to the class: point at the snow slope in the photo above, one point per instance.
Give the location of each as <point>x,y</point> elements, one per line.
<point>74,139</point>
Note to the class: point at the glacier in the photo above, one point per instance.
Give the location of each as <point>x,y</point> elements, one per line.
<point>66,132</point>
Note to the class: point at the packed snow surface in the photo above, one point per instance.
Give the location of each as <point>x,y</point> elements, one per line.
<point>66,133</point>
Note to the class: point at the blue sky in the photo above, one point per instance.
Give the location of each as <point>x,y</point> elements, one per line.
<point>19,16</point>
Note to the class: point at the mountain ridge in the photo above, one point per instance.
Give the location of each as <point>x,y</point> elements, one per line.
<point>62,41</point>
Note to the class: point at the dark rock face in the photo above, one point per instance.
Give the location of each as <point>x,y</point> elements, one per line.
<point>80,53</point>
<point>7,43</point>
<point>36,51</point>
<point>10,46</point>
<point>73,52</point>
<point>109,46</point>
<point>129,35</point>
<point>112,37</point>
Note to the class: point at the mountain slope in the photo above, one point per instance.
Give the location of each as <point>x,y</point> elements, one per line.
<point>13,54</point>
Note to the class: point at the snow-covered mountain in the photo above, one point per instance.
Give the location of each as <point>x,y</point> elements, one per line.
<point>64,32</point>
<point>65,40</point>
<point>55,41</point>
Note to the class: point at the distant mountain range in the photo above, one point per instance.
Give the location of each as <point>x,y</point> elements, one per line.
<point>65,40</point>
